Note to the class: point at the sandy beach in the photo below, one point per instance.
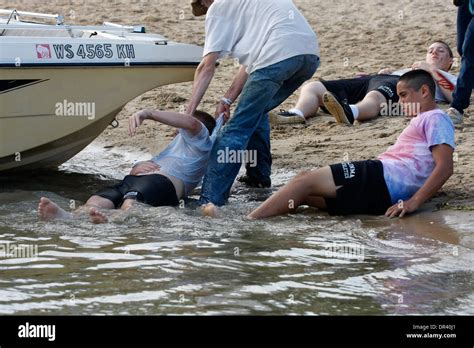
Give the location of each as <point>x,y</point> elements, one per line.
<point>355,36</point>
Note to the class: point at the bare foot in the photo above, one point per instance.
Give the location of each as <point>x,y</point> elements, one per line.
<point>250,217</point>
<point>48,210</point>
<point>210,210</point>
<point>97,216</point>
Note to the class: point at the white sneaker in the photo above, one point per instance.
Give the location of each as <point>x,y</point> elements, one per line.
<point>455,116</point>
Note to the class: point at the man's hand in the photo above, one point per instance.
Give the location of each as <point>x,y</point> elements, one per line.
<point>385,71</point>
<point>144,168</point>
<point>240,79</point>
<point>402,208</point>
<point>136,121</point>
<point>223,108</point>
<point>423,66</point>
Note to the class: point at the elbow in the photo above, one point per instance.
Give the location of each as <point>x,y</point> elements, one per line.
<point>194,125</point>
<point>448,170</point>
<point>207,66</point>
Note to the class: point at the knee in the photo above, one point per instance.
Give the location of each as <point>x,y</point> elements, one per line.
<point>376,98</point>
<point>314,87</point>
<point>127,204</point>
<point>302,177</point>
<point>95,200</point>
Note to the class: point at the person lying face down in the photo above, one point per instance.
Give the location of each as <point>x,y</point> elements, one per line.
<point>164,180</point>
<point>366,96</point>
<point>397,183</point>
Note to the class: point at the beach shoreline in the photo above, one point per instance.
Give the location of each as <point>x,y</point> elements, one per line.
<point>355,37</point>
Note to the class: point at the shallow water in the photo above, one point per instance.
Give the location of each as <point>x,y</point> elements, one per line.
<point>172,261</point>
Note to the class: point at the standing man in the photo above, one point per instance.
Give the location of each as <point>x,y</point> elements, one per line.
<point>462,94</point>
<point>277,51</point>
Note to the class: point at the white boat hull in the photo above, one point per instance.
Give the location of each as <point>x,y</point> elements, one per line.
<point>32,132</point>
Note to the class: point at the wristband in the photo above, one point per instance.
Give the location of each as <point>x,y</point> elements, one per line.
<point>226,101</point>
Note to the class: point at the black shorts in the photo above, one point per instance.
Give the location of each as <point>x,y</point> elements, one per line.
<point>354,90</point>
<point>363,190</point>
<point>155,190</point>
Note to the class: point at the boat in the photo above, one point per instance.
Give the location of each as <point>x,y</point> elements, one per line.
<point>61,85</point>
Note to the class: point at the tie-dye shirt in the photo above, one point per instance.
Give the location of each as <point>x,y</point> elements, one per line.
<point>409,163</point>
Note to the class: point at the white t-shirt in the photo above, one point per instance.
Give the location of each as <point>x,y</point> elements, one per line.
<point>187,156</point>
<point>258,32</point>
<point>440,98</point>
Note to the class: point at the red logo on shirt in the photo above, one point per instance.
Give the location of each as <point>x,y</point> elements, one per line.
<point>43,51</point>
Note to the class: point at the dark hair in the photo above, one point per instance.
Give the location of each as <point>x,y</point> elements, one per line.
<point>444,43</point>
<point>415,79</point>
<point>206,119</point>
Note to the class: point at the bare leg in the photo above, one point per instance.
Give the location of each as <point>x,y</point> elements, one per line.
<point>99,202</point>
<point>99,217</point>
<point>93,206</point>
<point>48,210</point>
<point>311,97</point>
<point>315,202</point>
<point>371,105</point>
<point>319,183</point>
<point>127,204</point>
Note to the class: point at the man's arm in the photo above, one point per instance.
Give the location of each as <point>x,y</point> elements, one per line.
<point>202,79</point>
<point>443,157</point>
<point>173,119</point>
<point>446,86</point>
<point>386,71</point>
<point>234,91</point>
<point>238,84</point>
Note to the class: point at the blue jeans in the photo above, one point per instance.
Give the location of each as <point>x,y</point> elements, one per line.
<point>249,129</point>
<point>465,83</point>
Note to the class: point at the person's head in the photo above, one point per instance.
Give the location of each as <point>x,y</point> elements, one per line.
<point>200,7</point>
<point>417,91</point>
<point>440,55</point>
<point>206,119</point>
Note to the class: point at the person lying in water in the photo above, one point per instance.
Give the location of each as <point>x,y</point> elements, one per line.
<point>399,182</point>
<point>164,180</point>
<point>363,98</point>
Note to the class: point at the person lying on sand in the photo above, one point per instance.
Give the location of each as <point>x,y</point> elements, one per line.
<point>162,181</point>
<point>399,182</point>
<point>364,97</point>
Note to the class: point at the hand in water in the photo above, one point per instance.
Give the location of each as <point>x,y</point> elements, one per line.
<point>402,208</point>
<point>145,168</point>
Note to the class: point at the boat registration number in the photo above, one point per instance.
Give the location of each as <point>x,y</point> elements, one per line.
<point>94,51</point>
